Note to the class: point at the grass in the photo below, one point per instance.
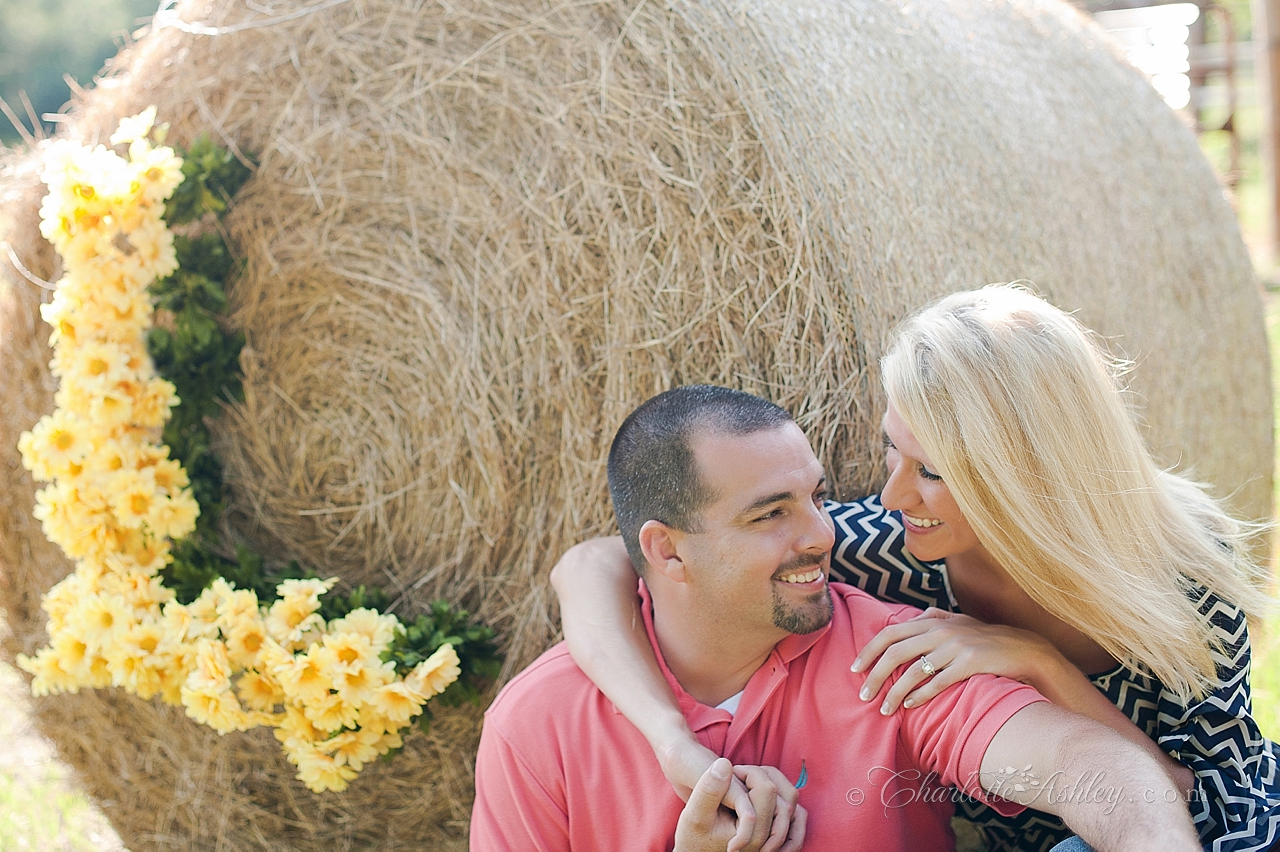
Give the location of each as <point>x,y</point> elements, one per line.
<point>44,816</point>
<point>1266,660</point>
<point>41,807</point>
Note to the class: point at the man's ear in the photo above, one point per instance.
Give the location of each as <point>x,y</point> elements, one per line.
<point>658,543</point>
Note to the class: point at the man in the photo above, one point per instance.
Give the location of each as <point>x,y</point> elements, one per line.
<point>719,500</point>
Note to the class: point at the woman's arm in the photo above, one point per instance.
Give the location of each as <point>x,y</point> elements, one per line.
<point>600,613</point>
<point>603,627</point>
<point>959,647</point>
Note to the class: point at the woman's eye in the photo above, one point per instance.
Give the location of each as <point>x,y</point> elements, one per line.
<point>820,497</point>
<point>769,515</point>
<point>929,475</point>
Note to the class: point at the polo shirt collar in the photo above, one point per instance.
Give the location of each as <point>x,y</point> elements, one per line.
<point>775,667</point>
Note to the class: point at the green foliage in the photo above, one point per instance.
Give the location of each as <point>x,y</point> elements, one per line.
<point>211,176</point>
<point>201,358</point>
<point>473,643</point>
<point>446,625</point>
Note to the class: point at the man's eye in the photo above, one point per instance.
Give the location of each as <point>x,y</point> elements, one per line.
<point>770,515</point>
<point>821,497</point>
<point>929,475</point>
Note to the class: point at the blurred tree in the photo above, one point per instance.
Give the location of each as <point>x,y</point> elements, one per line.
<point>43,40</point>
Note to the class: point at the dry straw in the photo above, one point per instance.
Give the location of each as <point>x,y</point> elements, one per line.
<point>483,230</point>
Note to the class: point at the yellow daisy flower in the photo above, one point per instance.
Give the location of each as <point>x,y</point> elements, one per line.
<point>358,685</point>
<point>397,702</point>
<point>352,748</point>
<point>292,617</point>
<point>133,497</point>
<point>73,656</point>
<point>434,674</point>
<point>151,409</point>
<point>176,515</point>
<point>379,629</point>
<point>111,407</point>
<point>259,691</point>
<point>111,455</point>
<point>246,635</point>
<point>101,619</point>
<point>303,679</point>
<point>145,594</point>
<point>57,443</point>
<point>213,669</point>
<point>159,171</point>
<point>63,314</point>
<point>331,713</point>
<point>346,652</point>
<point>133,661</point>
<point>48,675</point>
<point>219,710</point>
<point>309,588</point>
<point>321,772</point>
<point>134,127</point>
<point>295,732</point>
<point>234,605</point>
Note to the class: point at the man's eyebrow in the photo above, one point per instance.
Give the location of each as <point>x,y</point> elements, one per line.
<point>779,497</point>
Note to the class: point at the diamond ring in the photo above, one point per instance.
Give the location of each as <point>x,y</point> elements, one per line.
<point>927,667</point>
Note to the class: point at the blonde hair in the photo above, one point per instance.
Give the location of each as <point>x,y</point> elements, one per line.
<point>1021,412</point>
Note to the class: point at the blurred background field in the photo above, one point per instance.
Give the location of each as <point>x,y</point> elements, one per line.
<point>48,47</point>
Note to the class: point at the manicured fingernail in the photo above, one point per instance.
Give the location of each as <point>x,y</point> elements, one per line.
<point>865,694</point>
<point>884,709</point>
<point>857,664</point>
<point>908,703</point>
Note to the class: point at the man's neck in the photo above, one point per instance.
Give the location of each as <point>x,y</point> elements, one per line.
<point>710,663</point>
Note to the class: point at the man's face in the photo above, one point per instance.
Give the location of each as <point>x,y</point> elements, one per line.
<point>763,548</point>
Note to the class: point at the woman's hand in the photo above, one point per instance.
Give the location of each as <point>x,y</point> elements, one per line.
<point>956,646</point>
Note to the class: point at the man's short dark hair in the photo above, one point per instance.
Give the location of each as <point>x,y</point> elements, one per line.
<point>652,471</point>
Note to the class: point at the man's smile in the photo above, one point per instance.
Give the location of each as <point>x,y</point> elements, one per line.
<point>802,577</point>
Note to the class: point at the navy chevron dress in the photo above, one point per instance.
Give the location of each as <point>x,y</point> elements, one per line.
<point>1236,806</point>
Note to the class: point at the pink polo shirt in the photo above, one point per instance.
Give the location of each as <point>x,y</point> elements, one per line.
<point>559,768</point>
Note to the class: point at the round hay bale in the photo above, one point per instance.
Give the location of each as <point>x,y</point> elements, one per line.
<point>481,231</point>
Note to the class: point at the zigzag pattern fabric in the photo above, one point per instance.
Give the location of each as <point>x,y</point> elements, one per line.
<point>1236,805</point>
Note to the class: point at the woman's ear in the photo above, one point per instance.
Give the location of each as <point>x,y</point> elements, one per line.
<point>659,542</point>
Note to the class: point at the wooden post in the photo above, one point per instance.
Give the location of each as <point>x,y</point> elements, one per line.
<point>1266,40</point>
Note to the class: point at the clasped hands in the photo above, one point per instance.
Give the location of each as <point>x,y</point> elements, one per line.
<point>733,808</point>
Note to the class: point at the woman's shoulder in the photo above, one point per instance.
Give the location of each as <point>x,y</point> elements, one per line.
<point>870,553</point>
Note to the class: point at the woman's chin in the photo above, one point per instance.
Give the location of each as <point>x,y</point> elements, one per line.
<point>932,546</point>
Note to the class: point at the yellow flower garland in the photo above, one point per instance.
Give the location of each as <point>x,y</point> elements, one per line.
<point>115,501</point>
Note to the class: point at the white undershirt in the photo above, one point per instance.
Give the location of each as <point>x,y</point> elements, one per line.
<point>731,703</point>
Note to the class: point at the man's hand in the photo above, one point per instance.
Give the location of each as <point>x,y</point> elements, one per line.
<point>761,797</point>
<point>705,826</point>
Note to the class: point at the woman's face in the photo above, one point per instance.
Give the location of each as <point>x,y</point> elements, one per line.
<point>936,529</point>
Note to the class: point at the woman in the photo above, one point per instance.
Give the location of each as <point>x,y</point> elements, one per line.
<point>1024,511</point>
